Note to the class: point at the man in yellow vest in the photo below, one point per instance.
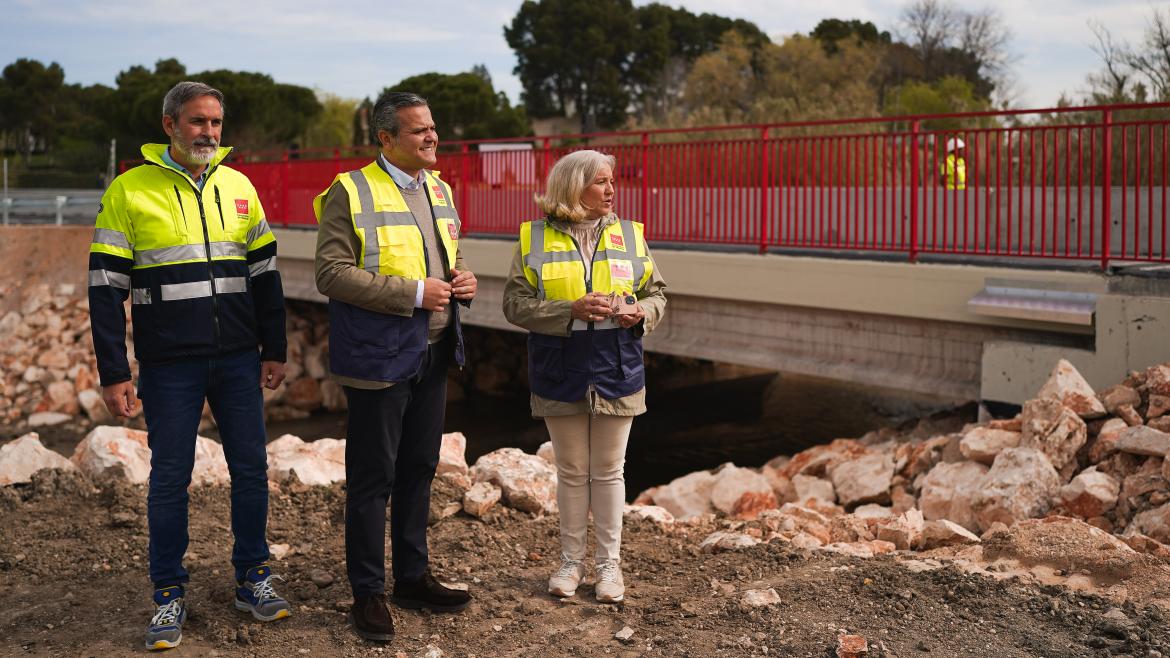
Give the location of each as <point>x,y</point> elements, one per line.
<point>954,169</point>
<point>185,239</point>
<point>388,260</point>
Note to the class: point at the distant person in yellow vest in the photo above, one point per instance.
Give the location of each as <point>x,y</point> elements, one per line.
<point>584,359</point>
<point>954,169</point>
<point>388,259</point>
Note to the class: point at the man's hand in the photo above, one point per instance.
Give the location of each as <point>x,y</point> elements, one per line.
<point>463,285</point>
<point>120,398</point>
<point>271,374</point>
<point>436,294</point>
<point>593,307</point>
<point>627,321</point>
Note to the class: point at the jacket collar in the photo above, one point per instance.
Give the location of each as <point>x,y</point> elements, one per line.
<point>153,153</point>
<point>563,225</point>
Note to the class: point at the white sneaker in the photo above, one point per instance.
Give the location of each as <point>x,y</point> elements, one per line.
<point>565,581</point>
<point>610,588</point>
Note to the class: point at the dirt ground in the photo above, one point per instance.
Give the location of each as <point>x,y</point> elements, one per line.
<point>73,582</point>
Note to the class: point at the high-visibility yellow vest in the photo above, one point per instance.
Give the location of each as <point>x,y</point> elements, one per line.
<point>391,238</point>
<point>553,264</point>
<point>955,172</point>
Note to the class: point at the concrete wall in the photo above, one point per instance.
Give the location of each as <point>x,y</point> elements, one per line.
<point>902,325</point>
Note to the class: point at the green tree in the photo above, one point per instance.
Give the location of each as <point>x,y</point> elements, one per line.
<point>466,105</point>
<point>949,95</point>
<point>832,30</point>
<point>31,96</point>
<point>333,127</point>
<point>575,57</point>
<point>598,59</point>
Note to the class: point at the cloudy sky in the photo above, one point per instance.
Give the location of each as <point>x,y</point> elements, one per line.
<point>355,48</point>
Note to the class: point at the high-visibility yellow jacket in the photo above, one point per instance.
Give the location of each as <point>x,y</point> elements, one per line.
<point>954,171</point>
<point>602,355</point>
<point>198,266</point>
<point>372,346</point>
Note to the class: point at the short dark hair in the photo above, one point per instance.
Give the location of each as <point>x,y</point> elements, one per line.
<point>386,110</point>
<point>184,91</point>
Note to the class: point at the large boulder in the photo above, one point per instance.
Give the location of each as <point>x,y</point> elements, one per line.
<point>1020,485</point>
<point>948,491</point>
<point>742,492</point>
<point>1153,522</point>
<point>1105,443</point>
<point>320,462</point>
<point>528,482</point>
<point>863,479</point>
<point>688,496</point>
<point>22,457</point>
<point>1091,493</point>
<point>805,487</point>
<point>451,454</point>
<point>905,532</point>
<point>210,463</point>
<point>982,444</point>
<point>1143,440</point>
<point>481,498</point>
<point>937,534</point>
<point>1115,397</point>
<point>1053,429</point>
<point>1068,387</point>
<point>108,449</point>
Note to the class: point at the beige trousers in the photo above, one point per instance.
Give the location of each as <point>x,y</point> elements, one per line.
<point>591,457</point>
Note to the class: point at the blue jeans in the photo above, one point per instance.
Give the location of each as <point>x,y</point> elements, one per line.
<point>172,397</point>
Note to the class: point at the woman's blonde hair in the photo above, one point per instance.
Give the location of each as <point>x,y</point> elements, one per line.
<point>567,180</point>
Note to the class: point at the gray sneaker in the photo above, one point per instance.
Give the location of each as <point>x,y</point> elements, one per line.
<point>565,581</point>
<point>610,588</point>
<point>166,626</point>
<point>257,596</point>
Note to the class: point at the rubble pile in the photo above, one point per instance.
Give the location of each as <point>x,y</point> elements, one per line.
<point>1095,460</point>
<point>50,374</point>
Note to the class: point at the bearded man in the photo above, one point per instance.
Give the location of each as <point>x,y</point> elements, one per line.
<point>185,238</point>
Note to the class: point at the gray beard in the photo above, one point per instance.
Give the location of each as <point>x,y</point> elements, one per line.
<point>199,154</point>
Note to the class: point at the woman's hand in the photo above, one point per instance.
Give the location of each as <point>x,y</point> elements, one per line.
<point>593,307</point>
<point>628,321</point>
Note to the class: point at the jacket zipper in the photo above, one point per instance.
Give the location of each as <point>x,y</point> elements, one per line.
<point>206,245</point>
<point>452,306</point>
<point>222,224</point>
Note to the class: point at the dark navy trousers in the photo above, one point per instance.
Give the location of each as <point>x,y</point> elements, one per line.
<point>391,452</point>
<point>172,397</point>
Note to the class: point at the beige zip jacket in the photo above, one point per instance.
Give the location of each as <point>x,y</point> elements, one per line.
<point>524,309</point>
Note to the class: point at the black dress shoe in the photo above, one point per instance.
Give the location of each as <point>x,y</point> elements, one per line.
<point>429,594</point>
<point>371,619</point>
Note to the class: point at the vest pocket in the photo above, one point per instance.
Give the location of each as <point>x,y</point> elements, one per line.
<point>371,335</point>
<point>630,353</point>
<point>546,356</point>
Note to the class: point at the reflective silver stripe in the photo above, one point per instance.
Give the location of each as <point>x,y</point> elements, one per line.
<point>112,238</point>
<point>140,296</point>
<point>366,219</point>
<point>266,265</point>
<point>536,255</point>
<point>170,254</point>
<point>223,285</point>
<point>258,231</point>
<point>630,237</point>
<point>608,323</point>
<point>174,291</point>
<point>230,284</point>
<point>222,249</point>
<point>108,278</point>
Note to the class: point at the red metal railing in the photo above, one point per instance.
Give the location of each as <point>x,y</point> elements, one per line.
<point>1087,183</point>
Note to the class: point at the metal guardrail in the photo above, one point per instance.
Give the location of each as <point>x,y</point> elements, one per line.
<point>58,203</point>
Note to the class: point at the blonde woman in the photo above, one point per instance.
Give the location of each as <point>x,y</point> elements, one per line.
<point>585,287</point>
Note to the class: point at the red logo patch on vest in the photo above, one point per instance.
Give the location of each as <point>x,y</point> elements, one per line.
<point>452,231</point>
<point>241,206</point>
<point>617,241</point>
<point>438,192</point>
<point>619,270</point>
